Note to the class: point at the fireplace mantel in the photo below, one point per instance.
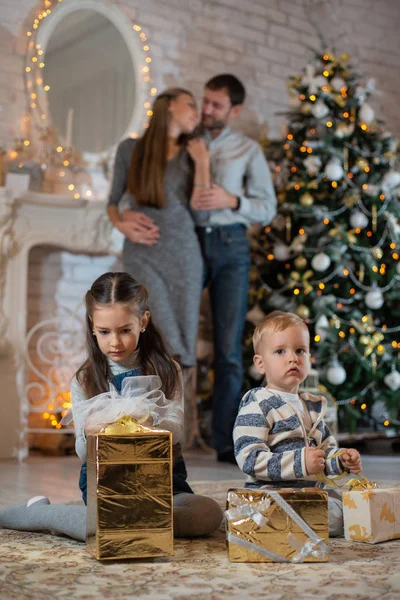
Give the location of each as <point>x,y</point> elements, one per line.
<point>46,219</point>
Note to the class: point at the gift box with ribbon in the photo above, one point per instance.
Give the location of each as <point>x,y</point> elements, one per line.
<point>129,503</point>
<point>287,525</point>
<point>370,514</point>
<point>129,469</point>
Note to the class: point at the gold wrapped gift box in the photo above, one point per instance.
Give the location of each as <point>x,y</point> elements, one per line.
<point>129,502</point>
<point>272,529</point>
<point>371,515</point>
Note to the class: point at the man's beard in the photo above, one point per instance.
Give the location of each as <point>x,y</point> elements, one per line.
<point>210,123</point>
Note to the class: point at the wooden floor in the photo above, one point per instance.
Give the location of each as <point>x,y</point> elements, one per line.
<point>57,477</point>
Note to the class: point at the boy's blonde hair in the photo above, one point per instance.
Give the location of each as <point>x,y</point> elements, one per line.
<point>278,320</point>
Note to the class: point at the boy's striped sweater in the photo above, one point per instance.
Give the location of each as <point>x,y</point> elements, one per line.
<point>270,439</point>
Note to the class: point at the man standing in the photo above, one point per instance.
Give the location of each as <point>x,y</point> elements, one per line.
<point>241,193</point>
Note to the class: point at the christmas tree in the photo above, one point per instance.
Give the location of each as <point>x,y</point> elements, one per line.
<point>332,253</point>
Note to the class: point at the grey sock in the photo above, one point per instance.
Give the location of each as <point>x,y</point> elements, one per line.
<point>62,519</point>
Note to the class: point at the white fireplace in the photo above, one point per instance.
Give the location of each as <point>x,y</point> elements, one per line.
<point>26,223</point>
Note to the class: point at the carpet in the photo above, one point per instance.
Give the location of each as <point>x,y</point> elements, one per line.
<point>37,566</point>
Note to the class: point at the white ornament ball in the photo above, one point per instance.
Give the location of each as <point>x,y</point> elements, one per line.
<point>337,83</point>
<point>281,252</point>
<point>392,380</point>
<point>358,220</point>
<point>336,375</point>
<point>374,299</point>
<point>390,180</point>
<point>372,190</point>
<point>320,262</point>
<point>255,373</point>
<point>319,110</point>
<point>366,113</point>
<point>321,327</point>
<point>334,170</point>
<point>398,268</point>
<point>313,164</point>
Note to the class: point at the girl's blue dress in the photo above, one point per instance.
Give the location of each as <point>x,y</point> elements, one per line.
<point>179,474</point>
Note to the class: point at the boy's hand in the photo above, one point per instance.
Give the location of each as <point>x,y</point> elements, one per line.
<point>315,461</point>
<point>351,460</point>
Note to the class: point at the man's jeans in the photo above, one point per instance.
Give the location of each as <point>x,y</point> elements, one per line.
<point>227,262</point>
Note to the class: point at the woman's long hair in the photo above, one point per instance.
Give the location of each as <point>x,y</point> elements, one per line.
<point>149,157</point>
<point>95,373</point>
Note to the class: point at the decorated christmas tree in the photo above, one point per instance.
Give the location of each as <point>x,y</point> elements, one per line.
<point>332,253</point>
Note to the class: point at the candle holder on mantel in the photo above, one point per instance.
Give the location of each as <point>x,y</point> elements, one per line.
<point>64,168</point>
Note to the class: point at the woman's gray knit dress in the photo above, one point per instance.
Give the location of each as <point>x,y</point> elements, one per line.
<point>171,269</point>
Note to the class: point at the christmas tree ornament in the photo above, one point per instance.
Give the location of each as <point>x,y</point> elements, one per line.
<point>372,190</point>
<point>340,100</point>
<point>366,114</point>
<point>314,82</point>
<point>312,164</point>
<point>336,374</point>
<point>306,199</point>
<point>255,373</point>
<point>361,273</point>
<point>300,262</point>
<point>344,130</point>
<point>288,227</point>
<point>398,268</point>
<point>361,163</point>
<point>392,380</point>
<point>303,311</point>
<point>358,220</point>
<point>374,298</point>
<point>306,108</point>
<point>334,170</point>
<point>390,181</point>
<point>281,251</point>
<point>337,83</point>
<point>373,363</point>
<point>319,109</point>
<point>374,217</point>
<point>321,327</point>
<point>377,253</point>
<point>255,315</point>
<point>320,262</point>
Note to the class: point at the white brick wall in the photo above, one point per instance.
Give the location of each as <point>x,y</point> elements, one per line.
<point>261,41</point>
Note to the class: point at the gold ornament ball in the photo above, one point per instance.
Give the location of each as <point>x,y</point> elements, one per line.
<point>300,262</point>
<point>361,163</point>
<point>306,199</point>
<point>377,253</point>
<point>303,311</point>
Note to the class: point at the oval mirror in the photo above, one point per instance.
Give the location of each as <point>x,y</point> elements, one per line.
<point>92,81</point>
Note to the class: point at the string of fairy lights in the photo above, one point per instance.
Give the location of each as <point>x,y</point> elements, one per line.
<point>37,112</point>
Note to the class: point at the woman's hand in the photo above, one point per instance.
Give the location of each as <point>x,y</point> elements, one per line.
<point>139,228</point>
<point>198,150</point>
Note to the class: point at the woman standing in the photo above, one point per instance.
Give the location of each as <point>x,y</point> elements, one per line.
<point>155,176</point>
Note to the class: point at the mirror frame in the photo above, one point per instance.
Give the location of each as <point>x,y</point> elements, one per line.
<point>130,34</point>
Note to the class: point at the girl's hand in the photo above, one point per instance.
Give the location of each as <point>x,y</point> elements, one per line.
<point>351,460</point>
<point>315,460</point>
<point>198,150</point>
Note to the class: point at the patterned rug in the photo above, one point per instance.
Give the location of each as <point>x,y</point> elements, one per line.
<point>43,567</point>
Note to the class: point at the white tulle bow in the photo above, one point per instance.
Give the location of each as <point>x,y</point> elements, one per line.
<point>140,397</point>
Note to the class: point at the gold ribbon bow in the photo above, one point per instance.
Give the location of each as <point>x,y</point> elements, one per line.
<point>124,425</point>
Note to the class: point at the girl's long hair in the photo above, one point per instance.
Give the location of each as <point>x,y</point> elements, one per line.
<point>149,157</point>
<point>95,373</point>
